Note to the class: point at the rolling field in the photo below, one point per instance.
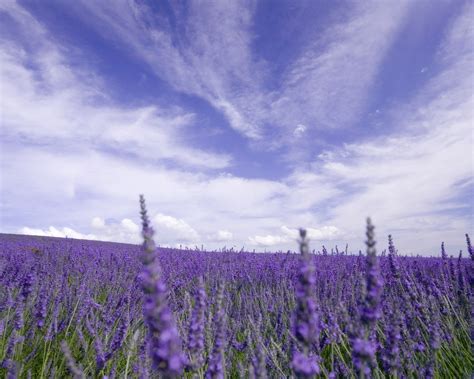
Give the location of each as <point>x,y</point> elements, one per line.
<point>97,309</point>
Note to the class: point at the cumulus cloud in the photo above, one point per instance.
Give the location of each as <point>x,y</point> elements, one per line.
<point>224,235</point>
<point>323,233</point>
<point>268,240</point>
<point>97,223</point>
<point>125,231</point>
<point>55,232</point>
<point>290,235</point>
<point>170,228</point>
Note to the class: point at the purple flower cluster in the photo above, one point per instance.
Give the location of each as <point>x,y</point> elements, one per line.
<point>164,341</point>
<point>364,346</point>
<point>215,367</point>
<point>305,361</point>
<point>197,326</point>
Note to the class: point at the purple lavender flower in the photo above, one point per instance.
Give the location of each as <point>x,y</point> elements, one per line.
<point>371,310</point>
<point>75,370</point>
<point>392,258</point>
<point>391,351</point>
<point>363,347</point>
<point>469,247</point>
<point>306,317</point>
<point>215,368</point>
<point>164,342</point>
<point>444,256</point>
<point>27,285</point>
<point>118,337</point>
<point>434,343</point>
<point>40,312</point>
<point>304,366</point>
<point>196,327</point>
<point>99,353</point>
<point>257,354</point>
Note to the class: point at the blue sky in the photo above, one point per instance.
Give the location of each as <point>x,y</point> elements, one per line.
<point>239,120</point>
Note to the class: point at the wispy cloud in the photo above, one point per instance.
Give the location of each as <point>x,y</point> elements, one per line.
<point>209,52</point>
<point>415,179</point>
<point>329,85</point>
<point>69,107</point>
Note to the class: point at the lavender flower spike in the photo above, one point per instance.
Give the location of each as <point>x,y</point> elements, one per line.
<point>363,347</point>
<point>215,368</point>
<point>74,369</point>
<point>444,255</point>
<point>196,327</point>
<point>306,319</point>
<point>371,310</point>
<point>469,247</point>
<point>164,342</point>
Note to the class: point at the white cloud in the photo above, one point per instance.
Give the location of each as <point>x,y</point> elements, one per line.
<point>329,85</point>
<point>299,130</point>
<point>224,235</point>
<point>97,223</point>
<point>129,225</point>
<point>220,70</point>
<point>125,231</point>
<point>413,181</point>
<point>290,236</point>
<point>326,86</point>
<point>324,233</point>
<point>170,228</point>
<point>54,232</point>
<point>268,240</point>
<point>69,107</point>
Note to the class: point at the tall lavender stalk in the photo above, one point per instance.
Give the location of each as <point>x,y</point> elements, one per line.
<point>75,370</point>
<point>164,342</point>
<point>469,247</point>
<point>215,368</point>
<point>363,346</point>
<point>305,362</point>
<point>444,255</point>
<point>391,352</point>
<point>392,258</point>
<point>196,327</point>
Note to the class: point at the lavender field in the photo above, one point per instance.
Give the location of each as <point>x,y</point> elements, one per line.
<point>73,308</point>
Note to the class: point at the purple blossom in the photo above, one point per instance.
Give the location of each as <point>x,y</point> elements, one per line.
<point>469,247</point>
<point>392,257</point>
<point>215,368</point>
<point>444,256</point>
<point>40,312</point>
<point>363,346</point>
<point>306,317</point>
<point>196,327</point>
<point>391,351</point>
<point>304,365</point>
<point>118,338</point>
<point>75,370</point>
<point>164,341</point>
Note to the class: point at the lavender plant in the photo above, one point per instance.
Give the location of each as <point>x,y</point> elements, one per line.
<point>164,341</point>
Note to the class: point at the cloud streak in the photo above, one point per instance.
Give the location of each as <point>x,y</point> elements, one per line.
<point>209,52</point>
<point>69,107</point>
